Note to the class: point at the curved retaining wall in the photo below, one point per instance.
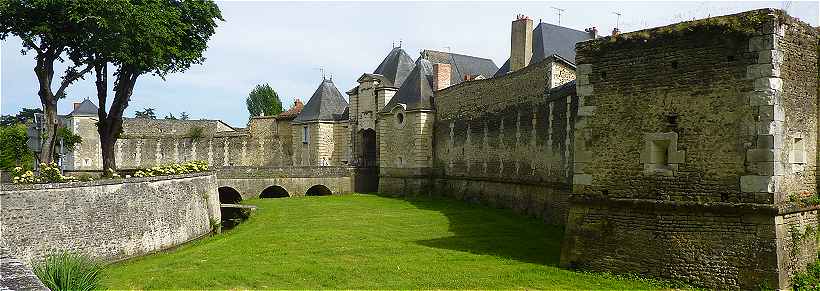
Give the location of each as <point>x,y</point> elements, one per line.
<point>108,219</point>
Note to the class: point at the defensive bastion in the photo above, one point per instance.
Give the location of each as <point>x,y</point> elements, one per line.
<point>692,143</point>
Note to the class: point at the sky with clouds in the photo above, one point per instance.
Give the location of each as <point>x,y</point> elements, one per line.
<point>285,43</point>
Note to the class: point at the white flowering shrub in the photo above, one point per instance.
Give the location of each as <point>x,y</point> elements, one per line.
<point>173,169</point>
<point>49,173</point>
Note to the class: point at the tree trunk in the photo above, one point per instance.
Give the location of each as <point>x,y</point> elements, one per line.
<point>44,70</point>
<point>107,142</point>
<point>49,137</point>
<point>110,124</point>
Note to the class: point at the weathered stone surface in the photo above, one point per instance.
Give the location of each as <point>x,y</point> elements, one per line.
<point>14,275</point>
<point>107,219</point>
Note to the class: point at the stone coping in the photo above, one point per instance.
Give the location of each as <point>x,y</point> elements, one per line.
<point>282,172</point>
<point>650,204</point>
<point>19,187</point>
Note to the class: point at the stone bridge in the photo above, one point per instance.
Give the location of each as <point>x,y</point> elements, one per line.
<point>239,183</point>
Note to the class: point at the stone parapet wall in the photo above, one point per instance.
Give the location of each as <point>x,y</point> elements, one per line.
<point>108,219</point>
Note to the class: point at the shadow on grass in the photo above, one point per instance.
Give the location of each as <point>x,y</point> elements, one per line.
<point>484,230</point>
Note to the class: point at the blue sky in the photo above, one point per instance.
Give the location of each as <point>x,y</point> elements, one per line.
<point>285,44</point>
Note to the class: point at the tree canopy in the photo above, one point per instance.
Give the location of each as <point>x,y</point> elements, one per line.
<point>145,113</point>
<point>263,101</point>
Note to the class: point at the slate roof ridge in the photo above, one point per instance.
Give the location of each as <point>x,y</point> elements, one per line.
<point>457,54</point>
<point>417,90</point>
<point>325,102</point>
<point>86,107</point>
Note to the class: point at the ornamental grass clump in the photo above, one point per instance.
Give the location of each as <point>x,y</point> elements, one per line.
<point>67,271</point>
<point>173,169</point>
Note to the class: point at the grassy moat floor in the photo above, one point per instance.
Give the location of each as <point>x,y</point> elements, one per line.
<point>369,242</point>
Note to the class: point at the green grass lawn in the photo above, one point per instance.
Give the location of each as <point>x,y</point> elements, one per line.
<point>368,242</point>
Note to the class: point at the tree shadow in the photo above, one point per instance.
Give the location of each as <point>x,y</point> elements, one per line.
<point>484,230</point>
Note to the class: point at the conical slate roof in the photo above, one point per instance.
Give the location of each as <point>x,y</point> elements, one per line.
<point>85,108</point>
<point>325,102</point>
<point>395,67</point>
<point>417,90</point>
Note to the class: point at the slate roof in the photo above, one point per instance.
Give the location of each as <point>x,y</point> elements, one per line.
<point>325,102</point>
<point>549,39</point>
<point>461,65</point>
<point>86,108</point>
<point>417,90</point>
<point>395,67</point>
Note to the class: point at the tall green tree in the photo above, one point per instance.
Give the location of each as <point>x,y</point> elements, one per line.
<point>53,30</point>
<point>135,38</point>
<point>145,113</point>
<point>263,101</point>
<point>14,151</point>
<point>23,116</point>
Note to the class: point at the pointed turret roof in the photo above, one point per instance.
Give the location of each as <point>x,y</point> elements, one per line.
<point>417,90</point>
<point>395,67</point>
<point>325,102</point>
<point>85,108</point>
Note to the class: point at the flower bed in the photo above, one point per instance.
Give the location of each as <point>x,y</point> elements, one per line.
<point>173,169</point>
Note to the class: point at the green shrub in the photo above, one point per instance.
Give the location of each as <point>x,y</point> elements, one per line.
<point>809,279</point>
<point>69,272</point>
<point>49,173</point>
<point>196,133</point>
<point>13,149</point>
<point>173,169</point>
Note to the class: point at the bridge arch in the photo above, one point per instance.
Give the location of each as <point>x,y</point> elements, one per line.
<point>274,191</point>
<point>318,190</point>
<point>229,195</point>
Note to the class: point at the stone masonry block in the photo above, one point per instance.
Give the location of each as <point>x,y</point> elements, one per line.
<point>769,127</point>
<point>583,69</point>
<point>762,70</point>
<point>766,168</point>
<point>585,111</point>
<point>583,79</point>
<point>582,179</point>
<point>758,184</point>
<point>764,97</point>
<point>763,42</point>
<point>762,155</point>
<point>582,156</point>
<point>770,57</point>
<point>578,168</point>
<point>769,141</point>
<point>771,112</point>
<point>767,83</point>
<point>584,90</point>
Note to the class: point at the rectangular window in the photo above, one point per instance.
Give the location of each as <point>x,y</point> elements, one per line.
<point>305,133</point>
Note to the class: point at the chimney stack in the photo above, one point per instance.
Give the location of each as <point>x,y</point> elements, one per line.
<point>76,105</point>
<point>441,76</point>
<point>521,43</point>
<point>593,32</point>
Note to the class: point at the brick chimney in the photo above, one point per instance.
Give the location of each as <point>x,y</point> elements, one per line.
<point>521,43</point>
<point>76,105</point>
<point>441,76</point>
<point>593,32</point>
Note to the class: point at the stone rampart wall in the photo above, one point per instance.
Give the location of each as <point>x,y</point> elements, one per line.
<point>504,141</point>
<point>107,219</point>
